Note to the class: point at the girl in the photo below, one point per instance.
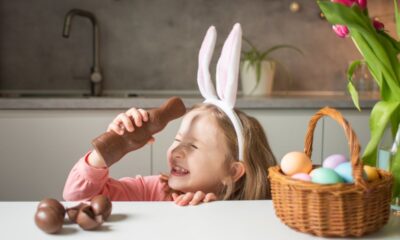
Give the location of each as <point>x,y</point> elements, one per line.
<point>218,152</point>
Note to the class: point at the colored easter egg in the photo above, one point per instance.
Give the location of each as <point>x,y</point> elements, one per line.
<point>302,176</point>
<point>345,171</point>
<point>326,176</point>
<point>333,161</point>
<point>296,162</point>
<point>312,172</point>
<point>371,172</point>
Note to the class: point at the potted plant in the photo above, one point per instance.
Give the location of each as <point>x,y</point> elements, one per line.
<point>257,70</point>
<point>381,53</point>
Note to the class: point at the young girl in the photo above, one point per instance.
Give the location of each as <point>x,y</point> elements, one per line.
<point>219,153</point>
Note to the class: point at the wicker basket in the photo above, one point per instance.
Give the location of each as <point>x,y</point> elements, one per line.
<point>337,210</point>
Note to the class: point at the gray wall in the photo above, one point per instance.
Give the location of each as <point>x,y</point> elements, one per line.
<point>153,44</point>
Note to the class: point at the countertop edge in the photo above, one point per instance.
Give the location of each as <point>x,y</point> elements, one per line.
<point>314,102</point>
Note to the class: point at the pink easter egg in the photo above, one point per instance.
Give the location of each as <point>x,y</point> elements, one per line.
<point>333,161</point>
<point>302,176</point>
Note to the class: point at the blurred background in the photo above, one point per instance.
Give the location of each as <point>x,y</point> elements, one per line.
<point>153,45</point>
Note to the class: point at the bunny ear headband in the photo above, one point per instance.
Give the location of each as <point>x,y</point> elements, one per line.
<point>227,76</point>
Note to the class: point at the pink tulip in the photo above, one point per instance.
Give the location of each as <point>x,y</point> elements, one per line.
<point>348,3</point>
<point>378,25</point>
<point>361,3</point>
<point>341,30</point>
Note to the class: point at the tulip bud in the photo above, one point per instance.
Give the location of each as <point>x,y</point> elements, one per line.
<point>341,30</point>
<point>378,25</point>
<point>362,4</point>
<point>348,3</point>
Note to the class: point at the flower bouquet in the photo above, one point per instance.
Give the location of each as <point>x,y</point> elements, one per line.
<point>381,54</point>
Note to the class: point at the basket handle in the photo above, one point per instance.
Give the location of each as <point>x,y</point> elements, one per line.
<point>352,139</point>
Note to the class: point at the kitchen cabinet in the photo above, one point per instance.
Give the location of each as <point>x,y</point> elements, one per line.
<point>39,148</point>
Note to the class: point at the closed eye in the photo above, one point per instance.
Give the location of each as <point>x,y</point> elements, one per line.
<point>194,146</point>
<point>191,145</point>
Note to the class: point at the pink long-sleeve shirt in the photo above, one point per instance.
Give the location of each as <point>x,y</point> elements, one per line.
<point>84,182</point>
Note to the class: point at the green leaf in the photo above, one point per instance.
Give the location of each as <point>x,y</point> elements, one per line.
<point>350,85</point>
<point>381,115</point>
<point>269,51</point>
<point>396,14</point>
<point>352,67</point>
<point>354,94</point>
<point>337,13</point>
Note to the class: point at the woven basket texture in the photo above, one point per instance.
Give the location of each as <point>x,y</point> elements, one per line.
<point>334,210</point>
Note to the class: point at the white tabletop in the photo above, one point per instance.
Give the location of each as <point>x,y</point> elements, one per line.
<point>164,220</point>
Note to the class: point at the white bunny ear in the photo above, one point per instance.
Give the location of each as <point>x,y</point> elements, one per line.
<point>228,67</point>
<point>203,74</point>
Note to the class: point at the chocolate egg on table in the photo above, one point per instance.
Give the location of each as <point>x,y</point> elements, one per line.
<point>333,161</point>
<point>101,205</point>
<point>325,176</point>
<point>87,219</point>
<point>296,162</point>
<point>53,203</point>
<point>371,173</point>
<point>49,220</point>
<point>302,176</point>
<point>72,212</point>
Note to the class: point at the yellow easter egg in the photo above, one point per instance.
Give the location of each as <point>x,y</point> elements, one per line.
<point>296,162</point>
<point>371,172</point>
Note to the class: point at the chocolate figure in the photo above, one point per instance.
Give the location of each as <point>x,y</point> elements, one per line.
<point>112,147</point>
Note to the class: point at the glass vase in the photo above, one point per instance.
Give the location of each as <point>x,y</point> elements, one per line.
<point>387,154</point>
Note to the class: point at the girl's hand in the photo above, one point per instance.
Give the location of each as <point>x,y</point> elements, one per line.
<point>190,198</point>
<point>128,121</point>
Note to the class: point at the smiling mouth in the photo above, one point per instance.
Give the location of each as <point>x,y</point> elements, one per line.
<point>179,171</point>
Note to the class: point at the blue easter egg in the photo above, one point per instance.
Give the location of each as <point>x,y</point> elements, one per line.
<point>325,176</point>
<point>345,171</point>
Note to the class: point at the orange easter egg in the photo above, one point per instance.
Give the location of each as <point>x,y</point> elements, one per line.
<point>296,162</point>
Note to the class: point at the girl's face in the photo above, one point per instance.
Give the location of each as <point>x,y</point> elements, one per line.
<point>196,157</point>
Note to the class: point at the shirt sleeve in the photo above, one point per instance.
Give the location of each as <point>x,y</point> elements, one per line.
<point>84,182</point>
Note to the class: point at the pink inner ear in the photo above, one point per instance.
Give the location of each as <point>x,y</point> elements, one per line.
<point>203,75</point>
<point>222,69</point>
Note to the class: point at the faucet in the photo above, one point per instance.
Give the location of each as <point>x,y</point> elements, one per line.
<point>96,76</point>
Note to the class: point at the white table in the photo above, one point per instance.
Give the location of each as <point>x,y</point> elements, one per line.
<point>164,220</point>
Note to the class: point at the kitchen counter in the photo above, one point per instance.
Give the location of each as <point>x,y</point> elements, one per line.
<point>277,101</point>
<point>165,220</point>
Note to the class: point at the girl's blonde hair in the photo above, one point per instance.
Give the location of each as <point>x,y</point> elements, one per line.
<point>257,157</point>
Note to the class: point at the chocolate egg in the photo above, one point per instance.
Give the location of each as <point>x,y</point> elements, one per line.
<point>72,212</point>
<point>53,203</point>
<point>101,205</point>
<point>87,219</point>
<point>49,219</point>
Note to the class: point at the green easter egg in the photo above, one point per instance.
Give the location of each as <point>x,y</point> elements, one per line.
<point>325,176</point>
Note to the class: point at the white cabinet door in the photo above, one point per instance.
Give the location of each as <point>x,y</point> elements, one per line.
<point>334,137</point>
<point>39,147</point>
<point>286,130</point>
